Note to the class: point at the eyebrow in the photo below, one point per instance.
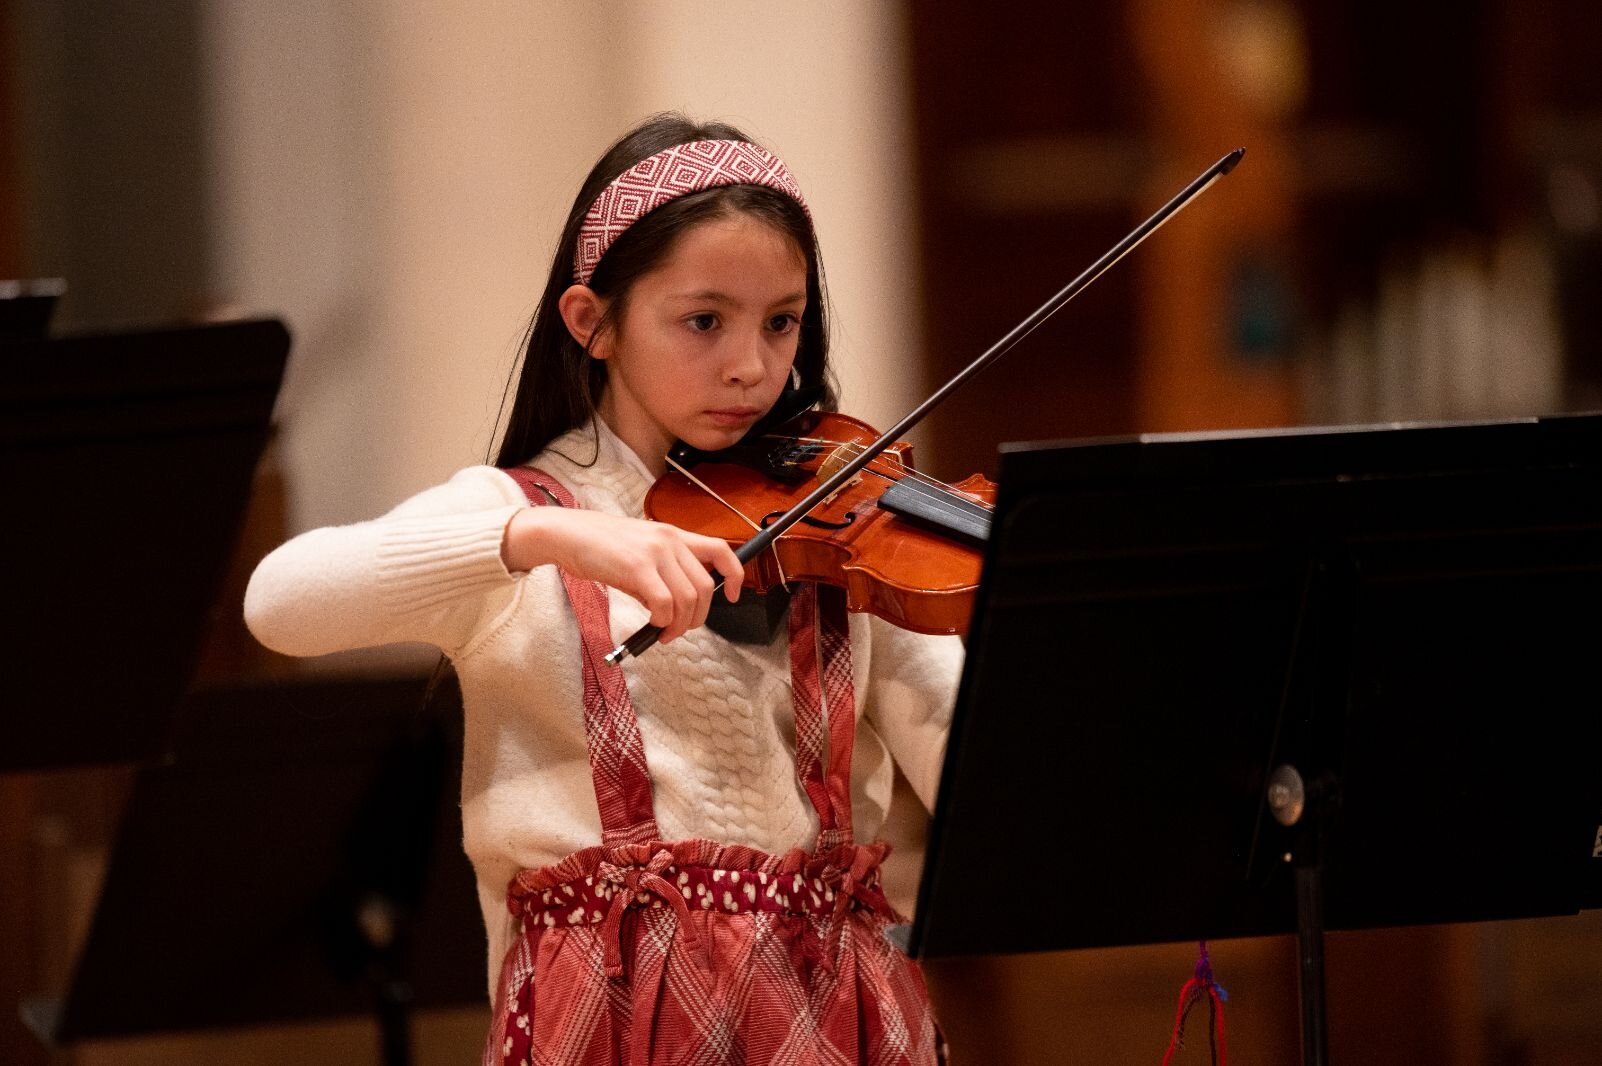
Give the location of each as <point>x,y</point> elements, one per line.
<point>714,296</point>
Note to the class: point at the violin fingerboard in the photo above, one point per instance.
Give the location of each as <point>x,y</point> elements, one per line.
<point>945,511</point>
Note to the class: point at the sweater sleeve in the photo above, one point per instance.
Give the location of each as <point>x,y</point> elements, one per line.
<point>912,689</point>
<point>430,571</point>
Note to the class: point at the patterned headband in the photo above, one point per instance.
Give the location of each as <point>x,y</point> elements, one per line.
<point>665,176</point>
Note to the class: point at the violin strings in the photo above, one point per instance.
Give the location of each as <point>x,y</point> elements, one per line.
<point>907,471</point>
<point>941,496</point>
<point>935,484</point>
<point>784,581</point>
<point>931,483</point>
<point>938,499</point>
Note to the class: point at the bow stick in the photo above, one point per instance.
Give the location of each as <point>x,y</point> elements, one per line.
<point>647,635</point>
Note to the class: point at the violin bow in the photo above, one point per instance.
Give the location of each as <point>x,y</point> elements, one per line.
<point>648,634</point>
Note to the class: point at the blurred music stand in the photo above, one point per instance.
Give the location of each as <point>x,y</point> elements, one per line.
<point>287,850</point>
<point>299,857</point>
<point>27,306</point>
<point>1174,631</point>
<point>128,459</point>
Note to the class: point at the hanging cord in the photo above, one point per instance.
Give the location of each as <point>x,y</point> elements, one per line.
<point>1201,986</point>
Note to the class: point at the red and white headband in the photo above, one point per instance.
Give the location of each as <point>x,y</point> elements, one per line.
<point>667,175</point>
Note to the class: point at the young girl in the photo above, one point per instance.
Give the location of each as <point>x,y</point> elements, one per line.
<point>666,853</point>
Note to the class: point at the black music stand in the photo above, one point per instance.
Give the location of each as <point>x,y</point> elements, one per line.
<point>298,857</point>
<point>127,461</point>
<point>27,306</point>
<point>1182,640</point>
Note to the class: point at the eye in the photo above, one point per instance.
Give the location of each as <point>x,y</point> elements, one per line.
<point>704,322</point>
<point>783,323</point>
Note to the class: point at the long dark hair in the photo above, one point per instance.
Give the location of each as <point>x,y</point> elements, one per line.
<point>559,385</point>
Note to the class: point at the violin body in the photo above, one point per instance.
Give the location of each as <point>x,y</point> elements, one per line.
<point>893,563</point>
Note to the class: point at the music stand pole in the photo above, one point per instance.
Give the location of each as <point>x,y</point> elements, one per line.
<point>383,925</point>
<point>1292,803</point>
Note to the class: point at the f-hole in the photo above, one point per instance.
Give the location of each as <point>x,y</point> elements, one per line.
<point>770,518</point>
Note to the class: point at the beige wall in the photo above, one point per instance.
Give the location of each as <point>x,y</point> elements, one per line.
<point>391,178</point>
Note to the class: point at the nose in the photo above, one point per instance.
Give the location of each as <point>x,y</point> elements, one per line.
<point>745,365</point>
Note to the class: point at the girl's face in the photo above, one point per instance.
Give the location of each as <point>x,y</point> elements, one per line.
<point>706,340</point>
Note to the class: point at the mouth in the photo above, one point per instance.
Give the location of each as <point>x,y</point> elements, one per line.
<point>733,416</point>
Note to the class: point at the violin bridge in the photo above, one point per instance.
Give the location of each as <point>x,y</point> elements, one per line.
<point>829,499</point>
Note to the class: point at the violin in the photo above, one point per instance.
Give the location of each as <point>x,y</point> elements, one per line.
<point>823,469</point>
<point>904,546</point>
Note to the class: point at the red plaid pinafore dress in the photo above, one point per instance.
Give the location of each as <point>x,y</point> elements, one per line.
<point>645,951</point>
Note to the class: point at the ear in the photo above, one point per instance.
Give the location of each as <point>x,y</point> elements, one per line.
<point>582,311</point>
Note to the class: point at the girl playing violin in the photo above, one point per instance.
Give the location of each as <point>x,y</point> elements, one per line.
<point>666,852</point>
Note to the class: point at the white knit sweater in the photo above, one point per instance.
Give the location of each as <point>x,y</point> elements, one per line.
<point>716,717</point>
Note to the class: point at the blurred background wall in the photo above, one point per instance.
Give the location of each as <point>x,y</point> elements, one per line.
<point>391,179</point>
<point>1416,233</point>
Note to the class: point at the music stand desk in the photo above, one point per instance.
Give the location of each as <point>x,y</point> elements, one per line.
<point>1408,617</point>
<point>128,459</point>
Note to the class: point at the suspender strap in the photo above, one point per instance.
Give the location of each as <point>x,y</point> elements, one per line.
<point>825,705</point>
<point>611,728</point>
<point>820,681</point>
